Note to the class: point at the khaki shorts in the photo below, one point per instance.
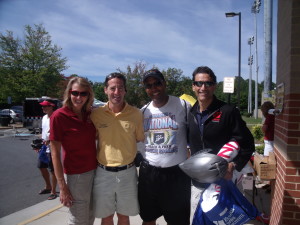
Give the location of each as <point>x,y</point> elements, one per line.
<point>80,186</point>
<point>115,192</point>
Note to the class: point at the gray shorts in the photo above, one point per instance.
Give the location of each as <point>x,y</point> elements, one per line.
<point>80,186</point>
<point>115,192</point>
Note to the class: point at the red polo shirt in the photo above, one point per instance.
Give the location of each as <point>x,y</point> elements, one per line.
<point>77,138</point>
<point>269,134</point>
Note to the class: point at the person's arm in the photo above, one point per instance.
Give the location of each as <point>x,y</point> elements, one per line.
<point>65,195</point>
<point>139,133</point>
<point>229,151</point>
<point>230,169</point>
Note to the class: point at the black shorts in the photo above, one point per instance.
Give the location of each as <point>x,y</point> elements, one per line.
<point>49,165</point>
<point>164,192</point>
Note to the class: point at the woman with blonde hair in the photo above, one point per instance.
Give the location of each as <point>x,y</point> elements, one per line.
<point>72,130</point>
<point>268,127</point>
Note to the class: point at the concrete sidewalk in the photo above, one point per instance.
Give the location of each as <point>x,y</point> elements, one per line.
<point>53,213</point>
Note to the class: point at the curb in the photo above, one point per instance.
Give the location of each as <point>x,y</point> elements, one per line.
<point>41,215</point>
<point>11,127</point>
<point>3,128</point>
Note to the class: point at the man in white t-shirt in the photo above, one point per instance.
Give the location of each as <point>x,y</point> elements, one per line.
<point>163,189</point>
<point>48,107</point>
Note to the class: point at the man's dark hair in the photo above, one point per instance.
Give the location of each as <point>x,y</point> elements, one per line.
<point>207,70</point>
<point>115,75</point>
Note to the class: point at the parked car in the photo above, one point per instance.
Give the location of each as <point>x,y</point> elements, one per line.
<point>20,115</point>
<point>17,107</point>
<point>15,115</point>
<point>18,110</point>
<point>97,103</point>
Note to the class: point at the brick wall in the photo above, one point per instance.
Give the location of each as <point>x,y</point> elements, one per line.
<point>285,207</point>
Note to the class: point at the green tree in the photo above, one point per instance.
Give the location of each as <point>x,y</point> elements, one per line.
<point>177,84</point>
<point>98,88</point>
<point>135,91</point>
<point>244,92</point>
<point>30,67</point>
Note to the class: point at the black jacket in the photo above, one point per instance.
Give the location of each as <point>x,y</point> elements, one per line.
<point>224,123</point>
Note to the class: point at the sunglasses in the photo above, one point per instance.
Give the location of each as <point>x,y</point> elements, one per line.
<point>77,93</point>
<point>155,84</point>
<point>206,83</point>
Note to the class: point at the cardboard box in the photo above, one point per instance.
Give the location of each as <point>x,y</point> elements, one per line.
<point>265,166</point>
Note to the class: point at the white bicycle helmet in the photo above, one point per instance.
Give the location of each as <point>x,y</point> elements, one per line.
<point>204,167</point>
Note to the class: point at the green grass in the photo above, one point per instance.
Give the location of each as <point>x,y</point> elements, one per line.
<point>254,126</point>
<point>252,120</point>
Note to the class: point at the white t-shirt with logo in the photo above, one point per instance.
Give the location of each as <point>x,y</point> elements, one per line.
<point>165,142</point>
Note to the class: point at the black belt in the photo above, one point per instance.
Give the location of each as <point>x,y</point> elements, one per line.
<point>146,164</point>
<point>116,168</point>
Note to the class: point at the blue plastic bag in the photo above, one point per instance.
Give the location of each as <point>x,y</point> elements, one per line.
<point>43,157</point>
<point>232,208</point>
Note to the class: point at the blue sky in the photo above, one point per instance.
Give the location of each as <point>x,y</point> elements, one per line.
<point>99,36</point>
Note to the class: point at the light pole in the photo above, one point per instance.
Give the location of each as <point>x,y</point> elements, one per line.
<point>255,10</point>
<point>232,14</point>
<point>250,62</point>
<point>268,5</point>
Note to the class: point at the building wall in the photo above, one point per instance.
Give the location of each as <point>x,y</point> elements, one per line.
<point>285,207</point>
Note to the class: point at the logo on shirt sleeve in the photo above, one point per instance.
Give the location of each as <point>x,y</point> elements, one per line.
<point>217,117</point>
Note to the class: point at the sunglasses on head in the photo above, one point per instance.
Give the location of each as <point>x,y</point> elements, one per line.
<point>77,93</point>
<point>155,84</point>
<point>206,83</point>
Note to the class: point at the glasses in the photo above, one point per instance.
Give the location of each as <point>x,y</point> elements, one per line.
<point>206,83</point>
<point>77,93</point>
<point>44,106</point>
<point>155,84</point>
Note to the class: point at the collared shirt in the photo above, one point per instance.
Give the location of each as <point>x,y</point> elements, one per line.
<point>118,134</point>
<point>77,138</point>
<point>201,118</point>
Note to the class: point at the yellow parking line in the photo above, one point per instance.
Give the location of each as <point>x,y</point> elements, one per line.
<point>40,215</point>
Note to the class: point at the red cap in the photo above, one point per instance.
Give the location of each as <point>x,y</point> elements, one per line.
<point>46,103</point>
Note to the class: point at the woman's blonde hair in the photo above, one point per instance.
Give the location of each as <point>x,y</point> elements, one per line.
<point>265,107</point>
<point>84,83</point>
